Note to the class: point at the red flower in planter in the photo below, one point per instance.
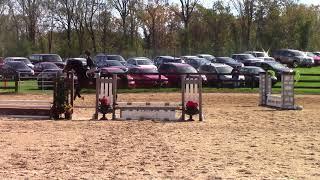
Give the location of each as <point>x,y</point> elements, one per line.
<point>104,105</point>
<point>192,105</point>
<point>192,108</point>
<point>104,101</point>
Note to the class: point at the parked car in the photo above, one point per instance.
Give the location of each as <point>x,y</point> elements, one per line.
<point>246,59</point>
<point>209,57</point>
<point>229,61</point>
<point>40,67</point>
<point>141,62</point>
<point>14,68</point>
<point>317,53</point>
<point>83,60</point>
<point>105,57</point>
<point>252,75</point>
<point>174,72</point>
<point>316,58</point>
<point>1,62</point>
<point>22,59</point>
<point>166,59</point>
<point>100,57</point>
<point>146,77</point>
<point>46,78</point>
<point>293,58</point>
<point>277,67</point>
<point>124,81</point>
<point>54,58</point>
<point>111,63</point>
<point>261,55</point>
<point>221,74</point>
<point>195,61</point>
<point>118,58</point>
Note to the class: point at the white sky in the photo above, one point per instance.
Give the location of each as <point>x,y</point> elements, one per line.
<point>315,2</point>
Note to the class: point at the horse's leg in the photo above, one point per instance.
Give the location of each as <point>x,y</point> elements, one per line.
<point>77,92</point>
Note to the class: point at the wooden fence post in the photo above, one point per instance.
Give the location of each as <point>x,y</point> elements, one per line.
<point>16,83</point>
<point>98,84</point>
<point>183,85</point>
<point>114,95</point>
<point>200,98</point>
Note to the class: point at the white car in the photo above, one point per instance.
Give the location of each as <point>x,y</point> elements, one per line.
<point>22,59</point>
<point>141,62</point>
<point>261,55</point>
<point>207,56</point>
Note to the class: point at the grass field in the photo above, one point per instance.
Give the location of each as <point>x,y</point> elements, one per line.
<point>314,70</point>
<point>31,86</point>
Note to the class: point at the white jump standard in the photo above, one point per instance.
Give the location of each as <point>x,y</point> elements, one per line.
<point>285,100</point>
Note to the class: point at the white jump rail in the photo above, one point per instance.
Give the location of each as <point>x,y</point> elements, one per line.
<point>35,109</point>
<point>148,110</point>
<point>25,103</point>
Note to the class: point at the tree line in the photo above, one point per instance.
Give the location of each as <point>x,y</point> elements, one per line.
<point>155,27</point>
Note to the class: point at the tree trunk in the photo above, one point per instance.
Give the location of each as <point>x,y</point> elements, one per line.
<point>69,38</point>
<point>186,43</point>
<point>93,38</point>
<point>154,48</point>
<point>124,35</point>
<point>50,41</point>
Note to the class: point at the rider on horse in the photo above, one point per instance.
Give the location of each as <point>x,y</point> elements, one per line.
<point>90,64</point>
<point>85,74</point>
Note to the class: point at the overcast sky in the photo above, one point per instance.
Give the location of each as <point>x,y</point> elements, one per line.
<point>315,2</point>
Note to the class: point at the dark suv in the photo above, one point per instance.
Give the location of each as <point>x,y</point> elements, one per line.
<point>173,70</point>
<point>195,61</point>
<point>246,59</point>
<point>54,58</point>
<point>166,59</point>
<point>277,67</point>
<point>293,58</point>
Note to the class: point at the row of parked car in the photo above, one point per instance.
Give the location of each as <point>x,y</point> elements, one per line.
<point>142,71</point>
<point>215,70</point>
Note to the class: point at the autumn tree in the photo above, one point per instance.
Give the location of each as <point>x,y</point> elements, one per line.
<point>187,8</point>
<point>63,12</point>
<point>29,10</point>
<point>92,8</point>
<point>122,6</point>
<point>105,26</point>
<point>153,19</point>
<point>78,21</point>
<point>216,24</point>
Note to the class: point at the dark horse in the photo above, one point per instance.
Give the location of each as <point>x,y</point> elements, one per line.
<point>84,79</point>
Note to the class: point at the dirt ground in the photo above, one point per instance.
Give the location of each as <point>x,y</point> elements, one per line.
<point>237,140</point>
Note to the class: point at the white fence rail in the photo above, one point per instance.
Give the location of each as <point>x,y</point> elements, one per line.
<point>41,81</point>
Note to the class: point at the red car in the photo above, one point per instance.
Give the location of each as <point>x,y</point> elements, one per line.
<point>146,77</point>
<point>172,71</point>
<point>124,81</point>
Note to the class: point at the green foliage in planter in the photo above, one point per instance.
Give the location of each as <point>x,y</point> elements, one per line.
<point>61,102</point>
